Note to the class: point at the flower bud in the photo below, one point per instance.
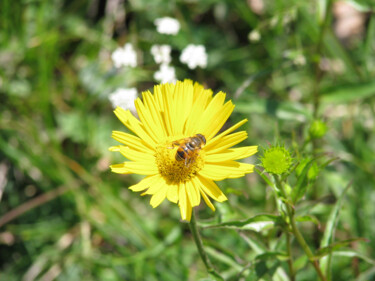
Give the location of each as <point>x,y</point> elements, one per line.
<point>317,129</point>
<point>276,160</point>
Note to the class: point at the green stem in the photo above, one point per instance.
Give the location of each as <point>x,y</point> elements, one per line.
<point>290,260</point>
<point>297,233</point>
<point>305,247</point>
<point>199,244</point>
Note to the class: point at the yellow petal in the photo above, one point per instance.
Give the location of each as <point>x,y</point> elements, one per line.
<point>145,183</point>
<point>193,193</point>
<point>182,201</point>
<point>141,168</point>
<point>228,131</point>
<point>159,196</point>
<point>210,172</point>
<point>156,186</point>
<point>211,189</point>
<point>172,193</point>
<point>225,142</point>
<point>167,113</point>
<point>119,169</point>
<point>183,100</point>
<point>131,141</point>
<point>189,210</point>
<point>205,198</point>
<point>148,121</point>
<point>151,103</point>
<point>227,169</point>
<point>201,99</point>
<point>231,154</point>
<point>212,115</point>
<point>134,125</point>
<point>215,120</point>
<point>134,155</point>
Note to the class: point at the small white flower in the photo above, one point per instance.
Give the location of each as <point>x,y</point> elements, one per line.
<point>254,36</point>
<point>167,25</point>
<point>166,74</point>
<point>296,56</point>
<point>161,53</point>
<point>299,60</point>
<point>194,55</point>
<point>124,98</point>
<point>125,56</point>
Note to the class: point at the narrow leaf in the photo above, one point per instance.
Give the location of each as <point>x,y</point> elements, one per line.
<point>309,218</point>
<point>256,223</point>
<point>335,246</point>
<point>273,255</point>
<point>264,177</point>
<point>349,93</point>
<point>325,263</point>
<point>301,187</point>
<point>354,254</point>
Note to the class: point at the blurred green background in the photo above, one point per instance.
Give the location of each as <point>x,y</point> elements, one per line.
<point>64,216</point>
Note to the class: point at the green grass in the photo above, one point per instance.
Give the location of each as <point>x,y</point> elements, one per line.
<point>65,216</point>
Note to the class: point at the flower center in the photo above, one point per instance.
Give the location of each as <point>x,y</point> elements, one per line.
<point>177,162</point>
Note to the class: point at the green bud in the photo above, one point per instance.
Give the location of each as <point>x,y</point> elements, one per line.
<point>317,129</point>
<point>276,160</point>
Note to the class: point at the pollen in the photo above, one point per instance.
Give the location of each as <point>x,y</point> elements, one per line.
<point>174,171</point>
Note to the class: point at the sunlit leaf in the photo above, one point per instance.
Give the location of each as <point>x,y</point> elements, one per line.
<point>256,223</point>
<point>335,246</point>
<point>325,263</point>
<point>301,185</point>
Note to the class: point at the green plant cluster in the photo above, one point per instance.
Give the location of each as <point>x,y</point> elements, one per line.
<point>288,70</point>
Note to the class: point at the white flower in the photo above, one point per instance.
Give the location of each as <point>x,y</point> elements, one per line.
<point>124,98</point>
<point>166,74</point>
<point>125,56</point>
<point>194,55</point>
<point>254,36</point>
<point>167,25</point>
<point>299,60</point>
<point>161,53</point>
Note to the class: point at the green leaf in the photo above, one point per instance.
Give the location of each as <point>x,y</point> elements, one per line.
<point>329,232</point>
<point>264,177</point>
<point>309,218</point>
<point>222,257</point>
<point>322,10</point>
<point>301,185</point>
<point>255,245</point>
<point>349,93</point>
<point>335,246</point>
<point>273,255</point>
<point>282,110</point>
<point>354,254</point>
<point>256,223</point>
<point>329,161</point>
<point>362,6</point>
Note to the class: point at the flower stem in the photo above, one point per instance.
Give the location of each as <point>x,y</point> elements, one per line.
<point>290,260</point>
<point>199,244</point>
<point>297,233</point>
<point>306,248</point>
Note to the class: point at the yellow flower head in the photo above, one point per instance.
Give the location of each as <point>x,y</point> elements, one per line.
<point>176,145</point>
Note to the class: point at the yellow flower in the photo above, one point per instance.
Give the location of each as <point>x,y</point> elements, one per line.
<point>169,121</point>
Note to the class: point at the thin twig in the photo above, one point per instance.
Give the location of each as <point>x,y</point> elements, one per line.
<point>35,202</point>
